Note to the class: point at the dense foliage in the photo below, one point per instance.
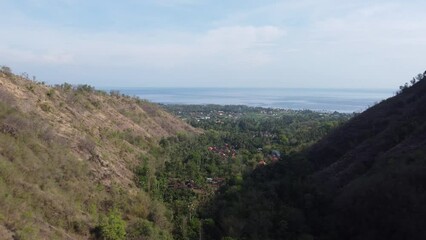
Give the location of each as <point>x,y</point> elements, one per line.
<point>364,180</point>
<point>205,175</point>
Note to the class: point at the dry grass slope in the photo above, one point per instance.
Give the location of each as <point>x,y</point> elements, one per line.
<point>67,156</point>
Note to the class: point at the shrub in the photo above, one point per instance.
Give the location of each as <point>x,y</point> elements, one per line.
<point>112,227</point>
<point>66,87</point>
<point>114,93</point>
<point>45,107</point>
<point>144,229</point>
<point>85,88</point>
<point>50,93</point>
<point>6,70</point>
<point>30,87</point>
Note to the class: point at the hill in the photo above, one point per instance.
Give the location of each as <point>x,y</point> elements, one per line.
<point>365,179</point>
<point>372,170</point>
<point>68,155</point>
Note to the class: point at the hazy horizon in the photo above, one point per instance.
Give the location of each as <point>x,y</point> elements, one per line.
<point>107,88</point>
<point>187,43</point>
<point>329,100</point>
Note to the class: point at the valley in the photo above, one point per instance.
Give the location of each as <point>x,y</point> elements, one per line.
<point>79,163</point>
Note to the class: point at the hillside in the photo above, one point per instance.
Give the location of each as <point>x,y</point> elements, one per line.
<point>372,169</point>
<point>68,155</point>
<point>364,180</point>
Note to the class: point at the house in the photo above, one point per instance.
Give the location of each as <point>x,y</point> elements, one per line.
<point>261,163</point>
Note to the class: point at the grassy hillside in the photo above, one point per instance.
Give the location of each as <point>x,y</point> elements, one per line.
<point>67,158</point>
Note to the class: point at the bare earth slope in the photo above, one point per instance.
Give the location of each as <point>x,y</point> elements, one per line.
<point>67,155</point>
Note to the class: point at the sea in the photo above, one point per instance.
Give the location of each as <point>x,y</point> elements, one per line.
<point>326,100</point>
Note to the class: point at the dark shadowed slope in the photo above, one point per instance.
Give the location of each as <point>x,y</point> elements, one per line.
<point>365,180</point>
<point>372,171</point>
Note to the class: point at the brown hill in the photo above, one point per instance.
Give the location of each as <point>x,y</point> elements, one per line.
<point>67,156</point>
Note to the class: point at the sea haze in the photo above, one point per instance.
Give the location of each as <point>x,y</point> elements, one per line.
<point>340,100</point>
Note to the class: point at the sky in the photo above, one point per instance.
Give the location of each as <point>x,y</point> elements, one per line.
<point>211,43</point>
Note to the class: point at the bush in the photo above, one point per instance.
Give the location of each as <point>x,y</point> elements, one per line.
<point>114,93</point>
<point>112,227</point>
<point>65,86</point>
<point>6,70</point>
<point>144,229</point>
<point>50,93</point>
<point>85,88</point>
<point>45,107</point>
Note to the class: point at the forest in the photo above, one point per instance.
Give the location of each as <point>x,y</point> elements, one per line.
<point>205,176</point>
<point>259,173</point>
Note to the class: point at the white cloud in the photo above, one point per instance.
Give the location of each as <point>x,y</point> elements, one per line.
<point>315,41</point>
<point>243,37</point>
<point>385,23</point>
<point>236,45</point>
<point>31,42</point>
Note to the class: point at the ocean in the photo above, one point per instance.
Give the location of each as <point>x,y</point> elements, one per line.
<point>330,100</point>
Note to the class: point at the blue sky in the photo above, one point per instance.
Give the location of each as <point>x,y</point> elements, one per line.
<point>234,43</point>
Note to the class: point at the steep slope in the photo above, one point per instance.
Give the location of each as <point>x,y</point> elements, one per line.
<point>372,171</point>
<point>365,180</point>
<point>67,156</point>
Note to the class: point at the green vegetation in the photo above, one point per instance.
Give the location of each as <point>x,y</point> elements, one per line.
<point>359,182</point>
<point>112,227</point>
<point>201,169</point>
<point>67,155</point>
<point>78,163</point>
<point>6,70</point>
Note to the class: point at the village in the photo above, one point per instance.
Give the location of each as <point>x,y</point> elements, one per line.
<point>218,113</point>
